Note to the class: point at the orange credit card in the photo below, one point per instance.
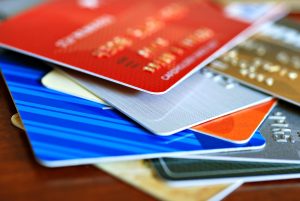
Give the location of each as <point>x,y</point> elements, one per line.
<point>237,127</point>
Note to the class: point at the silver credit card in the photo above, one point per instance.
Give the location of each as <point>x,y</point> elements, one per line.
<point>202,97</point>
<point>9,8</point>
<point>281,130</point>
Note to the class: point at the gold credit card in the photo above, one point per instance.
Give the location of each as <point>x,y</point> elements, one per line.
<point>140,175</point>
<point>269,61</point>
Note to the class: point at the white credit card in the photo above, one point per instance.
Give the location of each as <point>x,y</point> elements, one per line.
<point>202,97</point>
<point>58,81</point>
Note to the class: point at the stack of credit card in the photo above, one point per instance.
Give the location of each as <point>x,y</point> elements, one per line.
<point>196,92</point>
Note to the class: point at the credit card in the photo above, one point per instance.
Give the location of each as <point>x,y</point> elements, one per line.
<point>237,127</point>
<point>202,97</point>
<point>11,7</point>
<point>17,122</point>
<point>188,172</point>
<point>66,130</point>
<point>282,133</point>
<point>293,5</point>
<point>130,42</point>
<point>269,61</point>
<point>143,176</point>
<point>57,80</point>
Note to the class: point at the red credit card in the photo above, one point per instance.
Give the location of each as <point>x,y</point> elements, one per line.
<point>147,45</point>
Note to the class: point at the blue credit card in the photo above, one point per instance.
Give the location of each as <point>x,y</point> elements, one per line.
<point>66,130</point>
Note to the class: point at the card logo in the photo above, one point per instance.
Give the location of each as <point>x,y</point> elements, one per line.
<point>90,4</point>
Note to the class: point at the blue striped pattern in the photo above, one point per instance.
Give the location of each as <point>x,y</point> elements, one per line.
<point>66,130</point>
